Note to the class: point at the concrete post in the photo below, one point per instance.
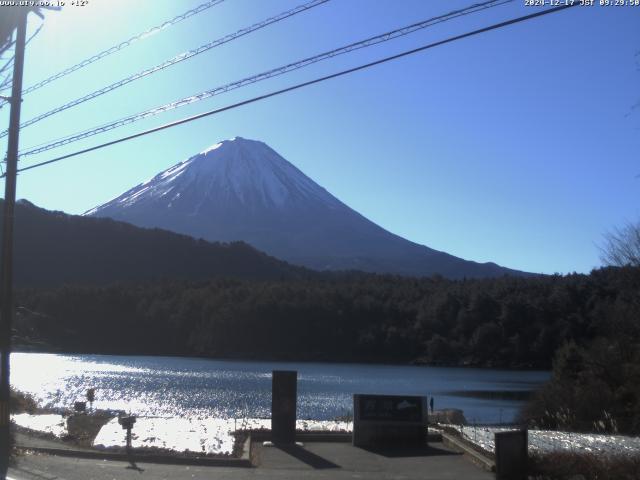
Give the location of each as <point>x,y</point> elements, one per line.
<point>283,406</point>
<point>512,454</point>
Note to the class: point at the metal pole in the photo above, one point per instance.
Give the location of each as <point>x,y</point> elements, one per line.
<point>6,274</point>
<point>129,441</point>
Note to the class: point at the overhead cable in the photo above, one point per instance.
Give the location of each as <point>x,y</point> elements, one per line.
<point>262,76</point>
<point>172,61</point>
<point>301,85</point>
<point>120,46</point>
<point>9,64</point>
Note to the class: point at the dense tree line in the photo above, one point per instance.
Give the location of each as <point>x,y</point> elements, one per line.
<point>53,248</point>
<point>511,322</point>
<point>595,383</point>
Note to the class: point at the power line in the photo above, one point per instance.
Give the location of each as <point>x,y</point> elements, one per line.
<point>10,62</point>
<point>304,84</point>
<point>7,65</point>
<point>6,82</point>
<point>172,61</point>
<point>116,48</point>
<point>263,76</point>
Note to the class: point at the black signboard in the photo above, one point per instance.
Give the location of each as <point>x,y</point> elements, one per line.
<point>395,408</point>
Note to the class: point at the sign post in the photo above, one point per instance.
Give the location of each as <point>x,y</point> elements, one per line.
<point>91,396</point>
<point>127,424</point>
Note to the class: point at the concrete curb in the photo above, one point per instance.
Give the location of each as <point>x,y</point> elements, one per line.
<point>476,457</point>
<point>246,452</point>
<point>244,461</point>
<point>345,437</point>
<point>261,435</point>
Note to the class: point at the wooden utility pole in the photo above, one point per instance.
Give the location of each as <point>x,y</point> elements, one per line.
<point>6,254</point>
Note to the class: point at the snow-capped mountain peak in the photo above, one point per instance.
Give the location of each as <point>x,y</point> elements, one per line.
<point>240,169</point>
<point>242,189</point>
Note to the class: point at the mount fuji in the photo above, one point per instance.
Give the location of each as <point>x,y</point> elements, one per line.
<point>242,189</point>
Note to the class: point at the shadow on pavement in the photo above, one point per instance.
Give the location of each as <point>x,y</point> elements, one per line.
<point>305,456</point>
<point>133,465</point>
<point>410,451</point>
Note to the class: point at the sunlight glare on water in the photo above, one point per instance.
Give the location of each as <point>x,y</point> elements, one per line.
<point>203,388</point>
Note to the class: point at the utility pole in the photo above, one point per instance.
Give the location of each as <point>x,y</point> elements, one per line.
<point>6,254</point>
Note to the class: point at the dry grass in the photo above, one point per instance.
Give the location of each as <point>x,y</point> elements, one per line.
<point>584,466</point>
<point>21,402</point>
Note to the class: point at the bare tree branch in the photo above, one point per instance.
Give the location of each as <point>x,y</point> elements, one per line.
<point>621,246</point>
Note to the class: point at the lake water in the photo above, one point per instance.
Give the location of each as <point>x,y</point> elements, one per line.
<point>201,388</point>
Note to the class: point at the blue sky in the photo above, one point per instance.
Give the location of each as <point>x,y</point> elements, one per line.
<point>519,146</point>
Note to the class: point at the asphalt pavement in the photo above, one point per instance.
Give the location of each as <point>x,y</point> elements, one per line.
<point>313,460</point>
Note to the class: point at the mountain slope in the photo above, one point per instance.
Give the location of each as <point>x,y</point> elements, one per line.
<point>53,248</point>
<point>243,190</point>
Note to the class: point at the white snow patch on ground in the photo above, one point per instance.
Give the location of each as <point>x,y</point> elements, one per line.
<point>48,423</point>
<point>544,441</point>
<point>200,435</point>
<point>301,425</point>
<point>209,435</point>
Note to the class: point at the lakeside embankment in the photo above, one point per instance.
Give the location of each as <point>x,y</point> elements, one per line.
<point>198,439</point>
<point>218,437</point>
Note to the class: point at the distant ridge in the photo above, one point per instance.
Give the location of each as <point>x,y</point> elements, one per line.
<point>53,248</point>
<point>243,190</point>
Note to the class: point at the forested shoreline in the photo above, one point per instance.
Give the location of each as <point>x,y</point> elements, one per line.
<point>505,322</point>
<point>584,327</point>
